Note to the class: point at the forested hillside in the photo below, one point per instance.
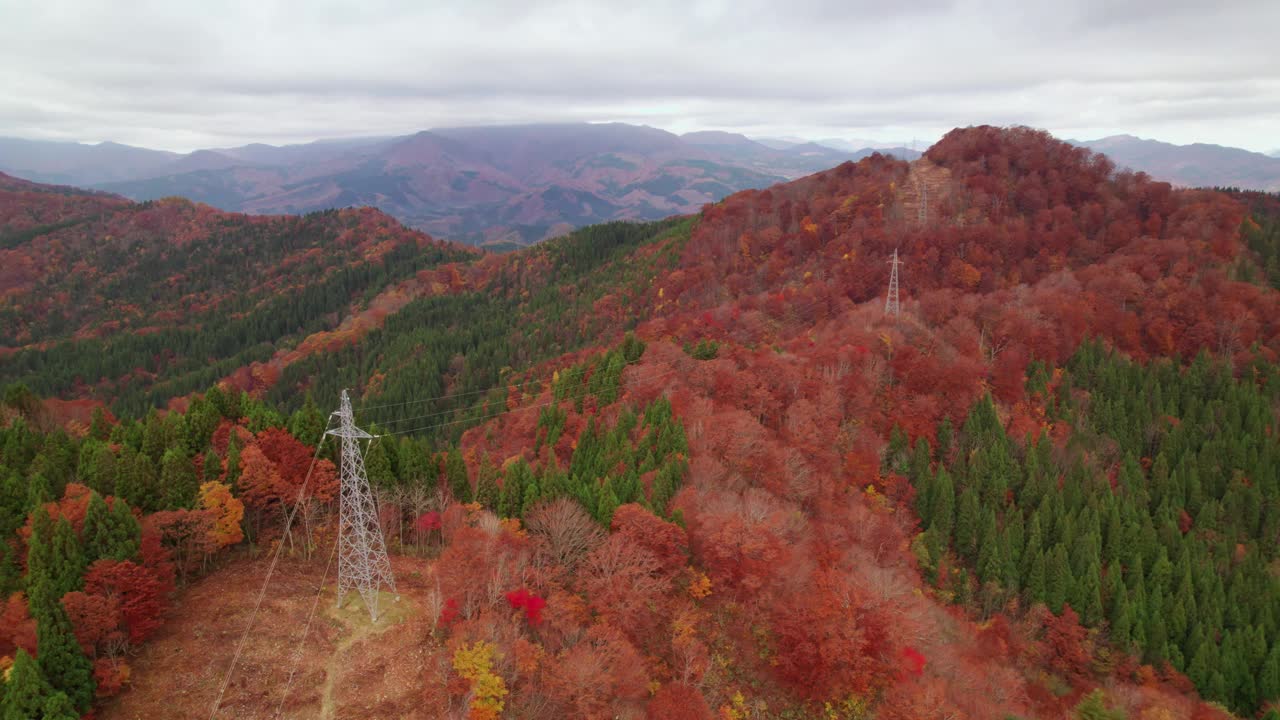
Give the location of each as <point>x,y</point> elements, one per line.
<point>693,470</point>
<point>133,304</point>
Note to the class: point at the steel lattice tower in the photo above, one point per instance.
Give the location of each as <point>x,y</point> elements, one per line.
<point>362,555</point>
<point>891,300</point>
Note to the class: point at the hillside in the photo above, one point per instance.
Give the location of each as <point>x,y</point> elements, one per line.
<point>1048,487</point>
<point>105,298</point>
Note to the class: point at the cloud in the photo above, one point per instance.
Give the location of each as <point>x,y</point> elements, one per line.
<point>180,75</point>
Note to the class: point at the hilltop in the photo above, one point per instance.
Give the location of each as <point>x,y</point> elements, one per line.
<point>736,487</point>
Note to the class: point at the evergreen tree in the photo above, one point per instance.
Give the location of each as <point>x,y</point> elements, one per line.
<point>68,561</point>
<point>1058,580</point>
<point>125,532</point>
<point>607,504</point>
<point>942,506</point>
<point>455,471</point>
<point>61,660</point>
<point>99,428</point>
<point>378,465</point>
<point>1087,595</point>
<point>968,516</point>
<point>26,691</point>
<point>97,532</point>
<point>1035,581</point>
<point>307,424</point>
<point>178,479</point>
<point>59,707</point>
<point>511,497</point>
<point>487,485</point>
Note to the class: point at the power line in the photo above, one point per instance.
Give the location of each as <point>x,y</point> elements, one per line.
<point>266,581</point>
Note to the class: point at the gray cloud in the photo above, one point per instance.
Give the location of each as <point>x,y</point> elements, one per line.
<point>181,74</point>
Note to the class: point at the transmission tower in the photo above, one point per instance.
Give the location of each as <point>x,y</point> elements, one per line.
<point>891,300</point>
<point>362,554</point>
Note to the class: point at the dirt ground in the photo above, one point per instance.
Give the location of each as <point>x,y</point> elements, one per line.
<point>348,667</point>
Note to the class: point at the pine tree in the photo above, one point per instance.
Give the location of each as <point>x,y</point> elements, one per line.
<point>487,485</point>
<point>968,516</point>
<point>126,532</point>
<point>26,690</point>
<point>378,465</point>
<point>511,497</point>
<point>59,707</point>
<point>61,660</point>
<point>99,428</point>
<point>307,423</point>
<point>942,506</point>
<point>1035,580</point>
<point>1088,595</point>
<point>178,479</point>
<point>97,529</point>
<point>455,472</point>
<point>1058,580</point>
<point>945,439</point>
<point>67,571</point>
<point>233,468</point>
<point>607,504</point>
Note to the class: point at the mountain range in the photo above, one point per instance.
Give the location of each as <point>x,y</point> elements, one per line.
<point>1195,165</point>
<point>496,186</point>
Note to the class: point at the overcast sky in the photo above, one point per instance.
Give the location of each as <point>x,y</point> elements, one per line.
<point>180,75</point>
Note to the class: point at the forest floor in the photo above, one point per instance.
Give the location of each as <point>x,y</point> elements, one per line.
<point>347,667</point>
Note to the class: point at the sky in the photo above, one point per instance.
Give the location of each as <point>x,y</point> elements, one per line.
<point>181,75</point>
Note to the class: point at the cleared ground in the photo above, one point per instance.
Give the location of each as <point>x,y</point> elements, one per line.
<point>348,667</point>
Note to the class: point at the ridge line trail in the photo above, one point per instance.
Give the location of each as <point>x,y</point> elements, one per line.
<point>921,194</point>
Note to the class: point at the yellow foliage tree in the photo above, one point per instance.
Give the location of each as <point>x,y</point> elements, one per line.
<point>227,511</point>
<point>475,663</point>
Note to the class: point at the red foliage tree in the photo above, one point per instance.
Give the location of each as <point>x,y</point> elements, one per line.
<point>830,641</point>
<point>17,627</point>
<point>138,589</point>
<point>677,701</point>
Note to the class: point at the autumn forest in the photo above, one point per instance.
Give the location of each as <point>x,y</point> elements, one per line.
<point>688,469</point>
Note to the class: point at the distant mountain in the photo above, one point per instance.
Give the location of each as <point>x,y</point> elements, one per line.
<point>70,163</point>
<point>495,186</point>
<point>1197,165</point>
<point>1275,153</point>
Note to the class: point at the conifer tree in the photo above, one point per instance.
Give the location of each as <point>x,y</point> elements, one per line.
<point>942,506</point>
<point>97,529</point>
<point>59,707</point>
<point>26,691</point>
<point>307,423</point>
<point>61,660</point>
<point>1035,582</point>
<point>68,561</point>
<point>487,485</point>
<point>178,479</point>
<point>607,503</point>
<point>1058,580</point>
<point>378,465</point>
<point>968,517</point>
<point>125,532</point>
<point>455,471</point>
